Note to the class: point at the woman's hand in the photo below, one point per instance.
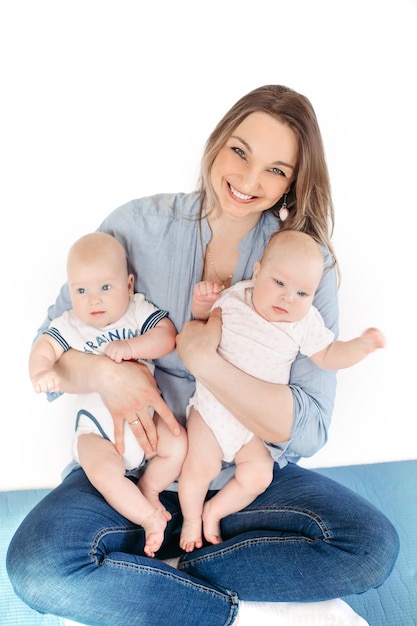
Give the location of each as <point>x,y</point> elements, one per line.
<point>129,395</point>
<point>127,389</point>
<point>198,341</point>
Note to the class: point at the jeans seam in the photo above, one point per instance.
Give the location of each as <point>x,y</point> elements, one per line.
<point>222,551</point>
<point>181,580</point>
<point>107,531</point>
<point>226,595</point>
<point>191,562</point>
<point>299,511</point>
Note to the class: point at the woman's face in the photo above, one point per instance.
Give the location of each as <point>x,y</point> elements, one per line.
<point>255,167</point>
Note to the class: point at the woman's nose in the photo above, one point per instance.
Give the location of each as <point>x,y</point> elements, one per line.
<point>250,182</point>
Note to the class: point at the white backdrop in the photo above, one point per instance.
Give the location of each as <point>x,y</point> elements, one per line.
<point>106,101</point>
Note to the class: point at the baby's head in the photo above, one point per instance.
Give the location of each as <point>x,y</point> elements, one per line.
<point>98,279</point>
<point>286,278</point>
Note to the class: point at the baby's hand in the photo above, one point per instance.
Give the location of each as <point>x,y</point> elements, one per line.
<point>118,351</point>
<point>206,291</point>
<point>45,381</point>
<point>373,339</point>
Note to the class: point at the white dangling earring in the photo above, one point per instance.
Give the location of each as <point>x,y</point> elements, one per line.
<point>283,212</point>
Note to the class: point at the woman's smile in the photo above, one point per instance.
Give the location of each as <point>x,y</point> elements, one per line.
<point>256,165</point>
<point>239,195</point>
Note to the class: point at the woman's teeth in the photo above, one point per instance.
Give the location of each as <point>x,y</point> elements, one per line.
<point>241,196</point>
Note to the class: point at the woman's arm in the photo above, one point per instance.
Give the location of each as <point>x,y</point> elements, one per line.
<point>264,408</point>
<point>127,389</point>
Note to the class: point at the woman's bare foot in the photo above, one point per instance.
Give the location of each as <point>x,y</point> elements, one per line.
<point>191,535</point>
<point>154,526</point>
<point>211,525</point>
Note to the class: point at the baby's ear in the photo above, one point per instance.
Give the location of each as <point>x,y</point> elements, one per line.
<point>256,269</point>
<point>131,284</point>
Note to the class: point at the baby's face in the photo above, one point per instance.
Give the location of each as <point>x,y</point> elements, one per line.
<point>100,291</point>
<point>284,286</point>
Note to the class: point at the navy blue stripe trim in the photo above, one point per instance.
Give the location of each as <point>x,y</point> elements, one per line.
<point>55,334</point>
<point>93,419</point>
<point>153,320</point>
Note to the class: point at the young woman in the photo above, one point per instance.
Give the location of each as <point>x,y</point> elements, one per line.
<point>306,538</point>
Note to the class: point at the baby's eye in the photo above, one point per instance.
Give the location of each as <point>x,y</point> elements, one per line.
<point>105,288</point>
<point>81,290</point>
<point>279,282</point>
<point>302,294</point>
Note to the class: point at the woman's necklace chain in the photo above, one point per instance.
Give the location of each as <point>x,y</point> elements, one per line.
<point>222,281</point>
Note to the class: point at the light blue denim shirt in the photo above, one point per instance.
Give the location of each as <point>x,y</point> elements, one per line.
<point>165,250</point>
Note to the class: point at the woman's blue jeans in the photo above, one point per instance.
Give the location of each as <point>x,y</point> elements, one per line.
<point>306,538</point>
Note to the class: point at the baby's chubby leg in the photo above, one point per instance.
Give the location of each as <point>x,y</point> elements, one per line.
<point>201,466</point>
<point>254,467</point>
<point>165,465</point>
<point>106,471</point>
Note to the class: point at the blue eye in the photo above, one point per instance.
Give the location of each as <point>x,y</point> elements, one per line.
<point>105,288</point>
<point>240,152</point>
<point>279,282</point>
<point>81,290</point>
<point>302,294</point>
<point>276,170</point>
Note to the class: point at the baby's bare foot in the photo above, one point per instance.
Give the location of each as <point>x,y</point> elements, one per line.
<point>154,527</point>
<point>211,525</point>
<point>191,535</point>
